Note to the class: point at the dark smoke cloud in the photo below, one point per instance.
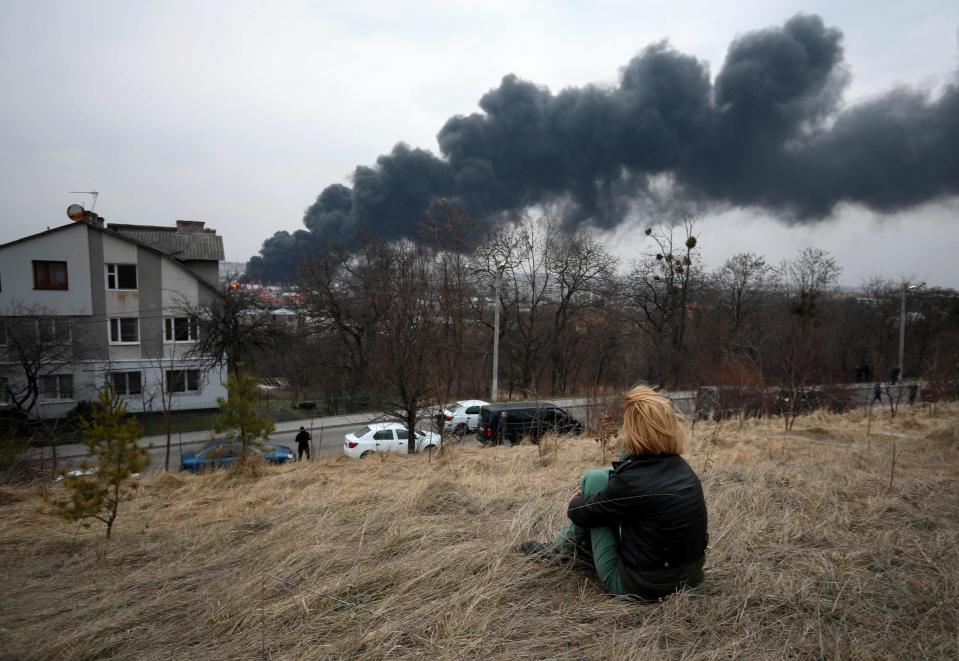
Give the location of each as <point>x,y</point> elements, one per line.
<point>769,132</point>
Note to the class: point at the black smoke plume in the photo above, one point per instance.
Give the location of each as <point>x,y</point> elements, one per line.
<point>769,132</point>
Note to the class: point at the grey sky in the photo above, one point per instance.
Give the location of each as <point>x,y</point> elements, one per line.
<point>240,113</point>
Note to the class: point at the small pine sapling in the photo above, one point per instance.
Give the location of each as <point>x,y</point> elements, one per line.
<point>111,438</point>
<point>238,417</point>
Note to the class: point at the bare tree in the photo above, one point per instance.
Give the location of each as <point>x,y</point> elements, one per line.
<point>583,272</point>
<point>235,328</point>
<point>408,338</point>
<point>38,345</point>
<point>519,255</point>
<point>807,278</point>
<point>383,306</point>
<point>344,295</point>
<point>661,288</point>
<point>451,234</point>
<point>158,393</point>
<point>742,282</point>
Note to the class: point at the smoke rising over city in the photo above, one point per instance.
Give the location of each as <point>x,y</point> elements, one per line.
<point>769,131</point>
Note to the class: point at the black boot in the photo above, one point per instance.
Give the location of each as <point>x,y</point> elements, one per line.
<point>534,548</point>
<point>547,553</point>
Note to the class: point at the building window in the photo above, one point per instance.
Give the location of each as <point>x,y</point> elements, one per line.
<point>124,330</point>
<point>126,383</point>
<point>56,386</point>
<point>121,276</point>
<point>3,332</point>
<point>50,275</point>
<point>4,391</point>
<point>180,329</point>
<point>183,381</point>
<point>54,331</point>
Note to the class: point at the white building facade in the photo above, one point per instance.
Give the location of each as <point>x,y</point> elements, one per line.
<point>107,306</point>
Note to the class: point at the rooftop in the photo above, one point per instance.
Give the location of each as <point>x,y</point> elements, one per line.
<point>189,240</point>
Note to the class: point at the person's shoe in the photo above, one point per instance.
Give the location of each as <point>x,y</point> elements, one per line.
<point>534,548</point>
<point>546,552</point>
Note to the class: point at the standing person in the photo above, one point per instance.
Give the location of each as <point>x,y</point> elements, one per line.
<point>877,394</point>
<point>303,443</point>
<point>642,523</point>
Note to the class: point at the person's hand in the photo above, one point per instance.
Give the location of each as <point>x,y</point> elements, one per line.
<point>575,494</point>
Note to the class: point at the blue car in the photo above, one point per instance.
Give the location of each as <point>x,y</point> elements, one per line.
<point>224,452</point>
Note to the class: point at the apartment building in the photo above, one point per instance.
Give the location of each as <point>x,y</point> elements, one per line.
<point>86,304</point>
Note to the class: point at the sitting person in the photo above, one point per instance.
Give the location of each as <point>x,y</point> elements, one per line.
<point>642,523</point>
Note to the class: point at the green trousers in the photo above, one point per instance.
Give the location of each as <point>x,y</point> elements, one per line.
<point>594,546</point>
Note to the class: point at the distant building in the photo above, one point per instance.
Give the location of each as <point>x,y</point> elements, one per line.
<point>232,270</point>
<point>113,300</point>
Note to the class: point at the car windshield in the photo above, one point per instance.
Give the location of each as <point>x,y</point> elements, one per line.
<point>362,432</point>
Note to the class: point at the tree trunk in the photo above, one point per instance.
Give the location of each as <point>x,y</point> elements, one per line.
<point>411,430</point>
<point>166,458</point>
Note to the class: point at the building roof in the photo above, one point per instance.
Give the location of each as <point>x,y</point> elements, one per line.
<point>199,244</point>
<point>43,233</point>
<point>177,259</point>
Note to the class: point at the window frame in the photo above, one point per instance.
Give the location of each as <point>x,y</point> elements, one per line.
<point>114,267</point>
<point>56,336</point>
<point>126,374</point>
<point>45,265</point>
<point>186,381</point>
<point>170,330</point>
<point>119,327</point>
<point>44,391</point>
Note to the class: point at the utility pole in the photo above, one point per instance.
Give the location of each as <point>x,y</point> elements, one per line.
<point>496,305</point>
<point>902,329</point>
<point>902,324</point>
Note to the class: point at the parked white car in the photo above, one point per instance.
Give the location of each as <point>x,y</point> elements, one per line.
<point>386,437</point>
<point>463,416</point>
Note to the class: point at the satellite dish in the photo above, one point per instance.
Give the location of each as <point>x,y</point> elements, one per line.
<point>76,212</point>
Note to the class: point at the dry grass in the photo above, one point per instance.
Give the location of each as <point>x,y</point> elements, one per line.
<point>810,557</point>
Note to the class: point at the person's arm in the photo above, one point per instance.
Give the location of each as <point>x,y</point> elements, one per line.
<point>603,508</point>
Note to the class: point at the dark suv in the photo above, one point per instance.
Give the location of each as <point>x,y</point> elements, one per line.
<point>513,421</point>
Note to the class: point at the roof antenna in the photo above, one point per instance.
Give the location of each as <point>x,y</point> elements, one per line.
<point>93,204</point>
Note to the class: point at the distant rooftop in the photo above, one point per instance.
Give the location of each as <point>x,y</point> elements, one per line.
<point>188,241</point>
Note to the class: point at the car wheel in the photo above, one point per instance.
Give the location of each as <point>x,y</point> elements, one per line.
<point>367,454</point>
<point>460,430</point>
<point>429,448</point>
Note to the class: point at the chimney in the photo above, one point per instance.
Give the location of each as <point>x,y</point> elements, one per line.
<point>189,225</point>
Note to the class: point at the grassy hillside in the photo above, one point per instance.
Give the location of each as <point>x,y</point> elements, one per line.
<point>811,556</point>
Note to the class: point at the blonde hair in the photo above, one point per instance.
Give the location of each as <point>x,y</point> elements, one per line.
<point>651,424</point>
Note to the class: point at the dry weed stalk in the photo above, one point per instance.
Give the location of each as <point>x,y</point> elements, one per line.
<point>608,430</point>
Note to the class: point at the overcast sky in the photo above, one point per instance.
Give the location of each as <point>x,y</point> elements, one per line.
<point>240,113</point>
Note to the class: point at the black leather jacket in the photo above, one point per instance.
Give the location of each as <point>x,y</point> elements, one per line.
<point>656,503</point>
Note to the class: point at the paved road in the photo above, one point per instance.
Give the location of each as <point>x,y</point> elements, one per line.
<point>327,434</point>
<point>327,437</point>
